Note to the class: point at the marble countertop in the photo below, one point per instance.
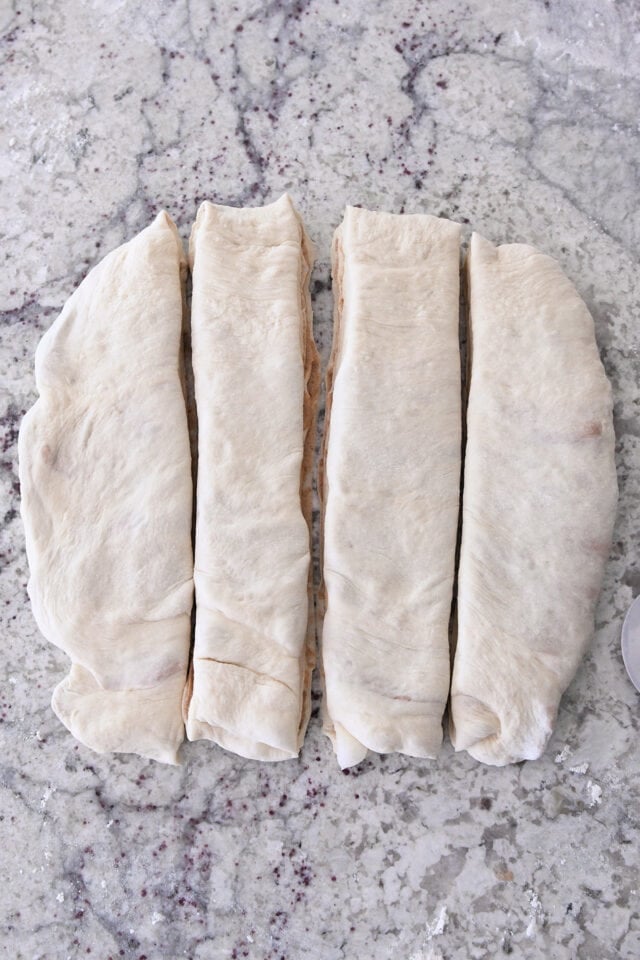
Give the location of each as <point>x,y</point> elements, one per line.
<point>519,119</point>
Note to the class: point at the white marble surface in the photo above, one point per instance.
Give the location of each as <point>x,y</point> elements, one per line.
<point>519,118</point>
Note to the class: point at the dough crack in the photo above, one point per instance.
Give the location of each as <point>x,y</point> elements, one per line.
<point>265,677</point>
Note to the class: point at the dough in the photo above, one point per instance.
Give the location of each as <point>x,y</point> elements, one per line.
<point>391,483</point>
<point>539,502</point>
<point>106,499</point>
<point>255,369</point>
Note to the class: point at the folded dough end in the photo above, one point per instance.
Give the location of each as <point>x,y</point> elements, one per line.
<point>242,746</point>
<point>349,751</point>
<point>252,714</point>
<point>471,721</point>
<point>476,728</point>
<point>121,721</point>
<point>358,721</point>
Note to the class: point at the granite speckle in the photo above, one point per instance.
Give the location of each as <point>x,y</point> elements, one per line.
<point>520,119</point>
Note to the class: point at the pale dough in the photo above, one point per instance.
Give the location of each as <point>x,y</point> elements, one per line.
<point>538,506</point>
<point>255,370</point>
<point>105,475</point>
<point>391,483</point>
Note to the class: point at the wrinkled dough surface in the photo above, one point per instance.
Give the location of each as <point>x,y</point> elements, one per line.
<point>255,371</point>
<point>539,502</point>
<point>105,474</point>
<point>391,483</point>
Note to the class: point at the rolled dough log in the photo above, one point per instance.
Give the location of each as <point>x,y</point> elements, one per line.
<point>106,489</point>
<point>255,368</point>
<point>538,506</point>
<point>391,483</point>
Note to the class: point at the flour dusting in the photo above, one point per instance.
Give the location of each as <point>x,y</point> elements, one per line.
<point>594,793</point>
<point>536,916</point>
<point>48,793</point>
<point>436,928</point>
<point>579,768</point>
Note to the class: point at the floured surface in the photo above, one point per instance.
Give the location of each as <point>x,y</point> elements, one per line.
<point>106,499</point>
<point>254,367</point>
<point>391,483</point>
<point>539,501</point>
